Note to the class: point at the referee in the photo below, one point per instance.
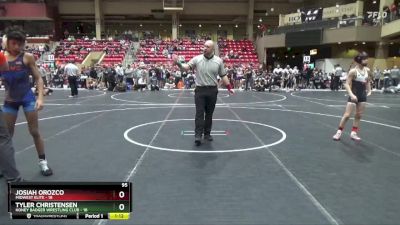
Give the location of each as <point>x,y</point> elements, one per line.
<point>208,67</point>
<point>72,71</point>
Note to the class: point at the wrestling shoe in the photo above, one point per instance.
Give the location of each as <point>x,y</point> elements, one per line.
<point>44,168</point>
<point>337,136</point>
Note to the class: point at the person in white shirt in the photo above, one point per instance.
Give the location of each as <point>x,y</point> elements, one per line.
<point>296,75</point>
<point>129,75</point>
<point>120,72</point>
<point>337,73</point>
<point>178,77</point>
<point>72,72</point>
<point>285,76</point>
<point>142,82</point>
<point>170,83</point>
<point>395,75</point>
<point>278,70</point>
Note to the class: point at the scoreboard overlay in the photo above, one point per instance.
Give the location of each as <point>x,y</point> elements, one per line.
<point>70,200</point>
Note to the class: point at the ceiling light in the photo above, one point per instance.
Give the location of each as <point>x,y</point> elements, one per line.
<point>363,43</point>
<point>260,20</point>
<point>219,25</point>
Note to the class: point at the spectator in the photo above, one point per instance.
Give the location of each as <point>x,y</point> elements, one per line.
<point>377,77</point>
<point>170,83</point>
<point>142,83</point>
<point>178,77</point>
<point>119,72</point>
<point>393,11</point>
<point>129,75</point>
<point>395,75</point>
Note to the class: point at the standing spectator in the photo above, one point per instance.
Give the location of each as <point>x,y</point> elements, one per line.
<point>105,76</point>
<point>190,80</point>
<point>337,73</point>
<point>58,79</point>
<point>248,79</point>
<point>111,78</point>
<point>152,73</point>
<point>142,82</point>
<point>178,77</point>
<point>93,78</point>
<point>393,11</point>
<point>386,10</point>
<point>160,76</point>
<point>377,77</point>
<point>129,75</point>
<point>154,83</point>
<point>386,79</point>
<point>395,74</point>
<point>84,77</point>
<point>296,77</point>
<point>43,73</point>
<point>120,72</point>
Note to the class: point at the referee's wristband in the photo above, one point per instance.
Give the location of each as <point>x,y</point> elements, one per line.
<point>3,59</point>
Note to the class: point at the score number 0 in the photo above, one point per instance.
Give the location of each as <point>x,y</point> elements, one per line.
<point>121,194</point>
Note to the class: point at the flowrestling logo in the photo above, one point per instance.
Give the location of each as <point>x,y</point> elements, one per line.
<point>376,15</point>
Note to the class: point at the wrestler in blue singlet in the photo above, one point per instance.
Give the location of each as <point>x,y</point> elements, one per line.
<point>18,88</point>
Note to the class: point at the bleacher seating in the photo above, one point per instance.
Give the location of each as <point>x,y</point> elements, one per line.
<point>244,49</point>
<point>184,48</point>
<point>79,49</point>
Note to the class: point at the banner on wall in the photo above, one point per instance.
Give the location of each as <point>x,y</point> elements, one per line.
<point>334,12</point>
<point>315,14</point>
<point>293,18</point>
<point>304,16</point>
<point>310,15</point>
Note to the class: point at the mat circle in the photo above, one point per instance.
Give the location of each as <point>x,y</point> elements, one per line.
<point>126,136</point>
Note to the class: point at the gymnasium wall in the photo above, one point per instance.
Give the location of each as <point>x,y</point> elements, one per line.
<point>74,7</point>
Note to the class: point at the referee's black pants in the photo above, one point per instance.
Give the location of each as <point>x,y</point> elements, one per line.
<point>7,153</point>
<point>205,99</point>
<point>73,84</point>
